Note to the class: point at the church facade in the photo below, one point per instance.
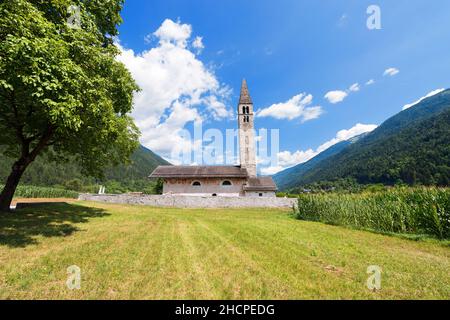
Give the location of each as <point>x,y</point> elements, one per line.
<point>223,181</point>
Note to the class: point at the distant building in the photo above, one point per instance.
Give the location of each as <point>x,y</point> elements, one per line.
<point>223,181</point>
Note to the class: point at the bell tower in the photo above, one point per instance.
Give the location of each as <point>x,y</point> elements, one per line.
<point>246,127</point>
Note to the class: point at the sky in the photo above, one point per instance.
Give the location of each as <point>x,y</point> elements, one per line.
<point>315,70</point>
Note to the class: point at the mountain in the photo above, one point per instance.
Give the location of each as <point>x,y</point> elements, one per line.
<point>144,161</point>
<point>411,147</point>
<point>127,178</point>
<point>291,177</point>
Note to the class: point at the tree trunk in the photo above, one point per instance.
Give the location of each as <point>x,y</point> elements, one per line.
<point>19,167</point>
<point>11,184</point>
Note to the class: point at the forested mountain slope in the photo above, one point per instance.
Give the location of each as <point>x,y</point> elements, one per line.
<point>412,147</point>
<point>45,173</point>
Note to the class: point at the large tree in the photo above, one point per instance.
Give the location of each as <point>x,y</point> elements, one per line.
<point>62,92</point>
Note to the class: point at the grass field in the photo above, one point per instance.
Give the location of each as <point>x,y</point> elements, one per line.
<point>132,252</point>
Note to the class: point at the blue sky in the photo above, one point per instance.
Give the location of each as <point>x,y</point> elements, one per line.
<point>285,49</point>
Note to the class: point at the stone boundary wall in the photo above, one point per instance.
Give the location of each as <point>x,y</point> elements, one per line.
<point>173,201</point>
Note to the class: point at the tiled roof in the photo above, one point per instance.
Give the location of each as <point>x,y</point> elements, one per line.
<point>261,184</point>
<point>199,172</point>
<point>245,95</point>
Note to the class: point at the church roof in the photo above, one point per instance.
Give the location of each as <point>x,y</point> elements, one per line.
<point>199,172</point>
<point>245,95</point>
<point>261,184</point>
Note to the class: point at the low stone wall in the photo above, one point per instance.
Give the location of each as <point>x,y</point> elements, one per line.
<point>192,201</point>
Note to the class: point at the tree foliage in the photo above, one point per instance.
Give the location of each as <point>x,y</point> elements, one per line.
<point>62,86</point>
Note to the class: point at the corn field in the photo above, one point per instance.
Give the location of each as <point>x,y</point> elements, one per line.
<point>421,211</point>
<point>42,192</point>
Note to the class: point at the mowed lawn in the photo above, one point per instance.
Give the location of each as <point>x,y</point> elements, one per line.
<point>134,252</point>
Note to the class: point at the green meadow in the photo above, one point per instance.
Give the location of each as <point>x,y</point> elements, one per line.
<point>137,252</point>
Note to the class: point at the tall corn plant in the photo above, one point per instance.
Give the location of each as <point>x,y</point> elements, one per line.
<point>406,210</point>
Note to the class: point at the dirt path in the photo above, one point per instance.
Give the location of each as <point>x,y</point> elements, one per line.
<point>41,200</point>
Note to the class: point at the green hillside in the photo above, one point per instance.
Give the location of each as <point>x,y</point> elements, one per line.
<point>144,161</point>
<point>292,177</point>
<point>119,179</point>
<point>411,147</point>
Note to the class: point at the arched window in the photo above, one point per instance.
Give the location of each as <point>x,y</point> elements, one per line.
<point>226,183</point>
<point>196,184</point>
<point>247,109</point>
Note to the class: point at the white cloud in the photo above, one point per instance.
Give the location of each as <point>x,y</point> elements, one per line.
<point>336,96</point>
<point>198,44</point>
<point>391,72</point>
<point>287,159</point>
<point>344,135</point>
<point>370,82</point>
<point>173,32</point>
<point>430,94</point>
<point>177,88</point>
<point>312,113</point>
<point>296,107</point>
<point>270,171</point>
<point>354,87</point>
<point>216,107</point>
<point>166,134</point>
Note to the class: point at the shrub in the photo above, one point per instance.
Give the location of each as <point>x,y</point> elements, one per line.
<point>74,184</point>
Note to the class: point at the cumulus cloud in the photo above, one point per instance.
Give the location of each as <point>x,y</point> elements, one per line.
<point>391,72</point>
<point>430,94</point>
<point>370,82</point>
<point>217,107</point>
<point>336,96</point>
<point>166,134</point>
<point>296,107</point>
<point>287,159</point>
<point>173,32</point>
<point>177,88</point>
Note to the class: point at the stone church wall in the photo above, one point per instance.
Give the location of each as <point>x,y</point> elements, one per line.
<point>209,186</point>
<point>193,201</point>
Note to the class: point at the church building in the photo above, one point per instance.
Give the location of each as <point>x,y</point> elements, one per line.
<point>223,181</point>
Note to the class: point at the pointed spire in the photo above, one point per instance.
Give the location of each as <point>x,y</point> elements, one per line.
<point>245,95</point>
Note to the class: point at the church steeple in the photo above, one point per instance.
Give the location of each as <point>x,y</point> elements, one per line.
<point>246,131</point>
<point>245,95</point>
